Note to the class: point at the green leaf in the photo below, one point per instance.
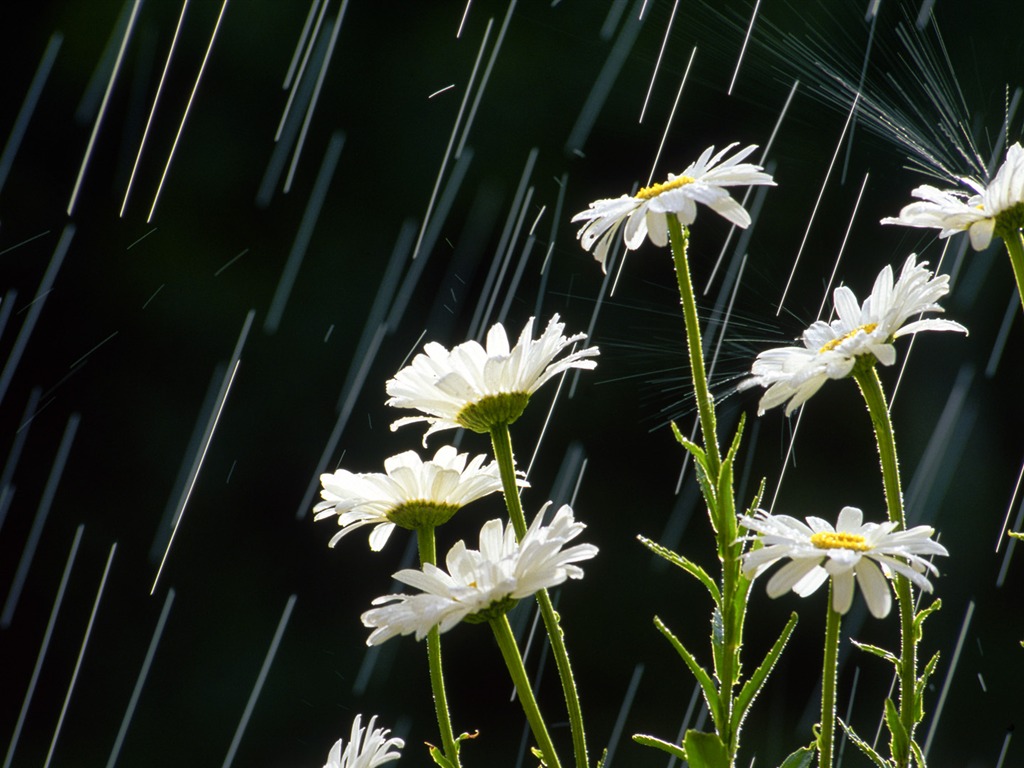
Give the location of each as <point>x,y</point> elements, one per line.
<point>879,652</point>
<point>703,678</point>
<point>753,686</point>
<point>900,739</point>
<point>700,461</point>
<point>438,757</point>
<point>922,683</point>
<point>652,741</point>
<point>1016,534</point>
<point>687,565</point>
<point>695,450</point>
<point>863,746</point>
<point>604,756</point>
<point>924,614</point>
<point>918,754</point>
<point>705,750</point>
<point>802,758</point>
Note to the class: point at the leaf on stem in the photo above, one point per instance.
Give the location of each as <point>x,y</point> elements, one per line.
<point>900,739</point>
<point>703,678</point>
<point>879,652</point>
<point>653,741</point>
<point>700,460</point>
<point>705,750</point>
<point>922,615</point>
<point>686,564</point>
<point>863,746</point>
<point>922,683</point>
<point>753,686</point>
<point>802,758</point>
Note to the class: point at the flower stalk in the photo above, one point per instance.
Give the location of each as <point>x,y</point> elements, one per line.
<point>829,674</point>
<point>679,240</point>
<point>514,661</point>
<point>874,397</point>
<point>721,507</point>
<point>501,441</point>
<point>1015,248</point>
<point>427,547</point>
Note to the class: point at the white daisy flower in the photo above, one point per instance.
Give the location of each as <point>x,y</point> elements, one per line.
<point>645,213</point>
<point>412,493</point>
<point>986,211</point>
<point>830,350</point>
<point>373,750</point>
<point>478,387</point>
<point>482,584</point>
<point>852,549</point>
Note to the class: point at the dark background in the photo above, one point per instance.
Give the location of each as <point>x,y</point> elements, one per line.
<point>142,319</point>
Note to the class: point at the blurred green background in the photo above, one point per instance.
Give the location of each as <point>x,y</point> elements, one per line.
<point>137,331</point>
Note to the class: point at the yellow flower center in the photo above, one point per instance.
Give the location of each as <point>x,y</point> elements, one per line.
<point>830,345</point>
<point>646,193</point>
<point>826,540</point>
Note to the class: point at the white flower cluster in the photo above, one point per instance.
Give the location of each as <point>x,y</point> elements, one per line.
<point>645,213</point>
<point>977,212</point>
<point>481,580</point>
<point>830,350</point>
<point>851,550</point>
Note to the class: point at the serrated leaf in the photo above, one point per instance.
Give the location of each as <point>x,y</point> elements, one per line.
<point>802,758</point>
<point>922,615</point>
<point>863,746</point>
<point>753,686</point>
<point>438,757</point>
<point>692,448</point>
<point>900,740</point>
<point>876,651</point>
<point>922,683</point>
<point>653,741</point>
<point>703,678</point>
<point>705,750</point>
<point>687,565</point>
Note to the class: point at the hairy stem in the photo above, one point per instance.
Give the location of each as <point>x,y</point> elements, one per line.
<point>501,441</point>
<point>1015,247</point>
<point>514,662</point>
<point>679,239</point>
<point>425,539</point>
<point>871,388</point>
<point>829,673</point>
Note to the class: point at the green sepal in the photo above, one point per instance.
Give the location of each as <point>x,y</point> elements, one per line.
<point>686,564</point>
<point>753,685</point>
<point>881,653</point>
<point>653,741</point>
<point>802,758</point>
<point>705,750</point>
<point>922,683</point>
<point>922,615</point>
<point>900,739</point>
<point>703,678</point>
<point>863,746</point>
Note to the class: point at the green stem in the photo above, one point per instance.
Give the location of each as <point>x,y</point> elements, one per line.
<point>723,510</point>
<point>829,672</point>
<point>425,539</point>
<point>514,662</point>
<point>1015,247</point>
<point>871,388</point>
<point>501,440</point>
<point>679,239</point>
